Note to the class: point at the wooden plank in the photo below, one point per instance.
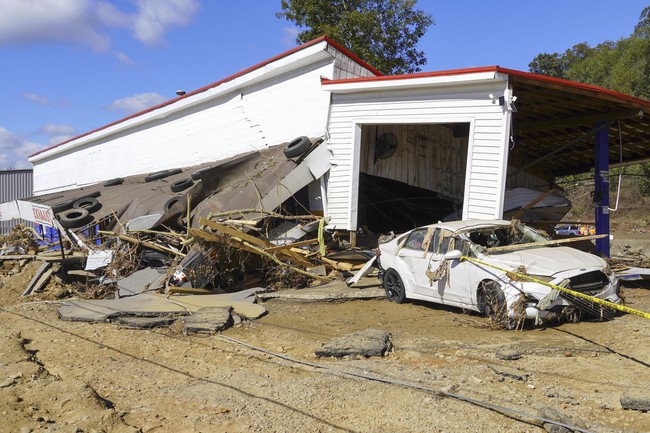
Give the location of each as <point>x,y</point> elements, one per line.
<point>341,266</point>
<point>39,272</point>
<point>38,286</point>
<point>235,233</point>
<point>537,244</point>
<point>292,245</point>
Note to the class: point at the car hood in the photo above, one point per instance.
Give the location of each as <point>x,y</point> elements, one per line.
<point>547,261</point>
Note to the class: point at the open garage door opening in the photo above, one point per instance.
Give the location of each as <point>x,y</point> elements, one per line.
<point>411,175</point>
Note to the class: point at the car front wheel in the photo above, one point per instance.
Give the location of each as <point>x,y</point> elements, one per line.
<point>495,306</point>
<point>394,286</point>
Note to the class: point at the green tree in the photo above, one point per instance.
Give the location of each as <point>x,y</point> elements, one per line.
<point>623,65</point>
<point>642,29</point>
<point>384,33</point>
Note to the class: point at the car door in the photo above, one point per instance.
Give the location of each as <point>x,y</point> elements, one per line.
<point>447,280</point>
<point>414,256</point>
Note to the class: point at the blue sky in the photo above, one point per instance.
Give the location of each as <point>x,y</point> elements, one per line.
<point>70,66</point>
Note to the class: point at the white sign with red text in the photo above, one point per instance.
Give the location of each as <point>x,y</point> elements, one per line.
<point>38,213</point>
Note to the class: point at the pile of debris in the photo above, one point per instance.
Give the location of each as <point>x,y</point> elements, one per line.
<point>143,277</point>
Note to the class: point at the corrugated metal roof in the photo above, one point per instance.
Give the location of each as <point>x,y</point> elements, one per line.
<point>14,185</point>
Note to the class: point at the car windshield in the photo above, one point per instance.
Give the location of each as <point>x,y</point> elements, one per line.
<point>504,235</point>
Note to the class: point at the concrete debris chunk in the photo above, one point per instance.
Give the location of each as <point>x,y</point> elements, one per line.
<point>208,319</point>
<point>366,343</point>
<point>634,399</point>
<point>147,279</point>
<point>508,355</point>
<point>156,305</point>
<point>145,322</point>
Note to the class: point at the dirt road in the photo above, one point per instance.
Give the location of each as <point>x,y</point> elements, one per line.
<point>82,377</point>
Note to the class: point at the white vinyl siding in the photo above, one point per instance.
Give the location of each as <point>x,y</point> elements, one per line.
<point>262,115</point>
<point>487,154</point>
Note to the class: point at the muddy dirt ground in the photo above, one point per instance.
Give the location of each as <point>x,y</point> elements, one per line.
<point>442,376</point>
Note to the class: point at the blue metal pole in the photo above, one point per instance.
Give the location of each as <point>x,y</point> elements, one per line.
<point>601,188</point>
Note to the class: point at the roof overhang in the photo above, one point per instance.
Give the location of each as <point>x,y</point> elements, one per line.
<point>412,81</point>
<point>554,120</point>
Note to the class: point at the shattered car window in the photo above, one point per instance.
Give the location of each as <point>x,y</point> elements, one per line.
<point>499,236</point>
<point>416,239</point>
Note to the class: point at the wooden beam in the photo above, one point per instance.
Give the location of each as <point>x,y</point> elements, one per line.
<point>542,243</point>
<point>292,245</point>
<point>235,233</point>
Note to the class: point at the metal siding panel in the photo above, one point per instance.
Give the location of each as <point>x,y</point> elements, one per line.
<point>14,185</point>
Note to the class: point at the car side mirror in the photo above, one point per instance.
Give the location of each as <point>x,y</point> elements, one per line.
<point>452,255</point>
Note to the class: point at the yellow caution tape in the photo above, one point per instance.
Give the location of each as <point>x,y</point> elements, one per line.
<point>604,302</point>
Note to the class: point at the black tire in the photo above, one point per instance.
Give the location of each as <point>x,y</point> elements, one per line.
<point>495,307</point>
<point>297,147</point>
<point>91,204</point>
<point>181,185</point>
<point>197,174</point>
<point>113,182</point>
<point>63,206</point>
<point>161,174</point>
<point>171,202</point>
<point>73,218</point>
<point>394,287</point>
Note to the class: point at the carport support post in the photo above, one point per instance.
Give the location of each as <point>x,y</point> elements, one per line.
<point>601,190</point>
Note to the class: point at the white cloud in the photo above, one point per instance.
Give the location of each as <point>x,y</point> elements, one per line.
<point>38,99</point>
<point>57,133</point>
<point>155,17</point>
<point>26,22</point>
<point>289,36</point>
<point>138,102</point>
<point>88,22</point>
<point>14,150</point>
<point>123,58</point>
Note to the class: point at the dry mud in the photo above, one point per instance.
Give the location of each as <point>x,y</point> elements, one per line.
<point>443,375</point>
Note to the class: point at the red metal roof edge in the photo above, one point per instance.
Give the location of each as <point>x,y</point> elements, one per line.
<point>411,76</point>
<point>217,83</point>
<point>514,72</point>
<point>574,84</point>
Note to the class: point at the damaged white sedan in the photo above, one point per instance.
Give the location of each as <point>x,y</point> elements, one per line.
<point>477,265</point>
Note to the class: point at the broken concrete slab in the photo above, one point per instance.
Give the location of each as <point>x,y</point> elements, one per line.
<point>155,304</point>
<point>334,291</point>
<point>366,343</point>
<point>634,399</point>
<point>508,355</point>
<point>141,281</point>
<point>208,319</point>
<point>145,322</point>
<point>560,418</point>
